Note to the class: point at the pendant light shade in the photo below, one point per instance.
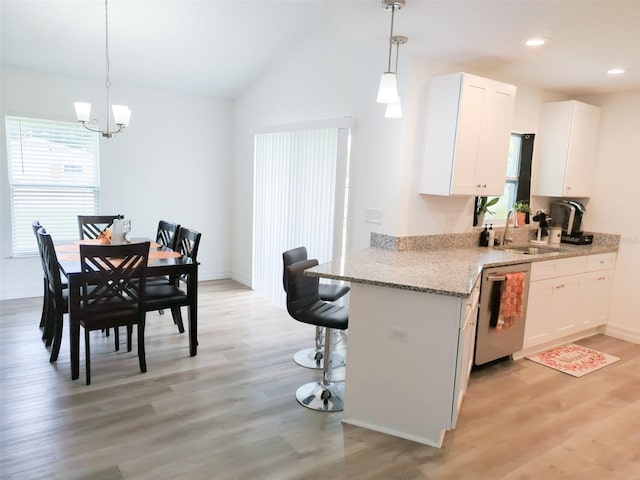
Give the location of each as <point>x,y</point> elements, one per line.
<point>394,110</point>
<point>388,89</point>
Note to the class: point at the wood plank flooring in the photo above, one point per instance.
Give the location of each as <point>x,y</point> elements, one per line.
<point>230,412</point>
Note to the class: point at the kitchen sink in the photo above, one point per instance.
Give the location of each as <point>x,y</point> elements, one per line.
<point>530,249</point>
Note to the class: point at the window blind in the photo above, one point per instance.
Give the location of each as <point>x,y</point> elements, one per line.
<point>54,176</point>
<point>295,194</point>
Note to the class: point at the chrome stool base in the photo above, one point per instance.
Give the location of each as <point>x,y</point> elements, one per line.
<point>312,358</point>
<point>322,397</point>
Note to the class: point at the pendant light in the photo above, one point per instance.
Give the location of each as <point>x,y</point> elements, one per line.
<point>121,113</point>
<point>394,109</point>
<point>388,88</point>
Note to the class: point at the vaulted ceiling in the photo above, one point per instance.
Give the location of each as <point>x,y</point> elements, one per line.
<point>220,47</point>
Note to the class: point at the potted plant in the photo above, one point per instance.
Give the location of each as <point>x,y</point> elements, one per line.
<point>522,211</point>
<point>482,208</point>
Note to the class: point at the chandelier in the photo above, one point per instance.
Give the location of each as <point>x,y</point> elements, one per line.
<point>121,113</point>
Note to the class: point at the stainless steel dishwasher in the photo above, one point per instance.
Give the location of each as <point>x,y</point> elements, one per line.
<point>490,343</point>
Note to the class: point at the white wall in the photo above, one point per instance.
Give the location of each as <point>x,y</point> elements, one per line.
<point>612,206</point>
<point>173,163</point>
<point>328,76</point>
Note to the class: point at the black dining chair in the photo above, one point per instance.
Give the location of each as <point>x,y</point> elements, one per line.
<point>172,295</point>
<point>58,297</point>
<point>91,226</point>
<point>46,323</point>
<point>312,357</point>
<point>304,305</point>
<point>112,293</point>
<point>167,234</point>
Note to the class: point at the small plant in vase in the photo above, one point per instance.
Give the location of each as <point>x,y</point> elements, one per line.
<point>482,208</point>
<point>522,211</point>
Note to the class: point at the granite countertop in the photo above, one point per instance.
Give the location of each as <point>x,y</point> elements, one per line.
<point>445,271</point>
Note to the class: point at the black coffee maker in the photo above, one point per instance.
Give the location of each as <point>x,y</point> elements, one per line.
<point>567,214</point>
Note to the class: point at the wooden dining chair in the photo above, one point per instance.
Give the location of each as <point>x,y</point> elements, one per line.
<point>112,292</point>
<point>57,303</point>
<point>167,234</point>
<point>171,295</point>
<point>90,226</point>
<point>46,298</point>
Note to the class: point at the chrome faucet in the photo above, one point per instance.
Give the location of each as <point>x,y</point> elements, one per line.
<point>506,239</point>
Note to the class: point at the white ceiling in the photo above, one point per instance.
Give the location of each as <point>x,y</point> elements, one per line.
<point>220,47</point>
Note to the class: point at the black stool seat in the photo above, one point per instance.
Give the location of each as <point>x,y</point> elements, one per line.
<point>331,292</point>
<point>323,314</point>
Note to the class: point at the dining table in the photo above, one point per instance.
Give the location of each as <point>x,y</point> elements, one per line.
<point>162,262</point>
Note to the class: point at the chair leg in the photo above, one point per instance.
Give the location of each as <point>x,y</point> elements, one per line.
<point>177,318</point>
<point>141,353</point>
<point>43,315</point>
<point>129,332</point>
<point>325,396</point>
<point>58,326</point>
<point>87,355</point>
<point>116,334</point>
<point>50,320</point>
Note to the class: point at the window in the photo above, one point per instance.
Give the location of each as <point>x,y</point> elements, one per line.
<point>54,176</point>
<point>518,178</point>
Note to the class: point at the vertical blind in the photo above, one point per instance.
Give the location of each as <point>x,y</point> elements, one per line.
<point>54,175</point>
<point>294,201</point>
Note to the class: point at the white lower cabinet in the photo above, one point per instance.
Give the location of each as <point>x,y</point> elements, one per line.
<point>466,347</point>
<point>562,303</point>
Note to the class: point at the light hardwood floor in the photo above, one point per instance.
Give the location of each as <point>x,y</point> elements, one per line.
<point>230,412</point>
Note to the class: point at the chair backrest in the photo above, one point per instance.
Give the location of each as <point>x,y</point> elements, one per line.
<point>188,242</point>
<point>90,226</point>
<point>113,277</point>
<point>302,290</point>
<point>289,258</point>
<point>167,234</point>
<point>50,265</point>
<point>36,225</point>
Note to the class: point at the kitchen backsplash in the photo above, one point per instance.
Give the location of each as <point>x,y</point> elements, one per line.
<point>466,240</point>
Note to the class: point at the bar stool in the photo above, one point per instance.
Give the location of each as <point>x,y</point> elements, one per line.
<point>304,304</point>
<point>312,357</point>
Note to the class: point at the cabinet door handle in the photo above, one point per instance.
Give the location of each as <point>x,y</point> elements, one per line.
<point>601,278</point>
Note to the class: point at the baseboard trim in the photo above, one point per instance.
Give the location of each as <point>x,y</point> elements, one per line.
<point>622,333</point>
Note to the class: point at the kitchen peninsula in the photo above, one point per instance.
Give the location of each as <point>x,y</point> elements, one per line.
<point>413,308</point>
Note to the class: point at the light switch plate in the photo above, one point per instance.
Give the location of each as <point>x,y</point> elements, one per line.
<point>373,215</point>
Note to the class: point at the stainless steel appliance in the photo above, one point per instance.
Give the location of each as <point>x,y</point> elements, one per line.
<point>490,343</point>
<point>567,214</point>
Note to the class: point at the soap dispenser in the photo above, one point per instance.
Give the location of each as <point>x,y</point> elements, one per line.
<point>484,237</point>
<point>492,236</point>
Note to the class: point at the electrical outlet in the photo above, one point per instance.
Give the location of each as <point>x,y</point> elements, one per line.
<point>373,215</point>
<point>452,219</point>
<point>398,334</point>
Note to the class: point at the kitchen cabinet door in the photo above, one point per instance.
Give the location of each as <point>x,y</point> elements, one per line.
<point>595,299</point>
<point>553,309</point>
<point>568,142</point>
<point>467,134</point>
<point>466,346</point>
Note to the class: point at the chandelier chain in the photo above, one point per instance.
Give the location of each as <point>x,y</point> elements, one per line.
<point>106,41</point>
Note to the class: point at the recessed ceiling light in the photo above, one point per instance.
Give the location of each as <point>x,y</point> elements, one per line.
<point>615,71</point>
<point>535,42</point>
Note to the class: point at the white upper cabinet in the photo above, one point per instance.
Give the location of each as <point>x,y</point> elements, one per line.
<point>467,132</point>
<point>567,148</point>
